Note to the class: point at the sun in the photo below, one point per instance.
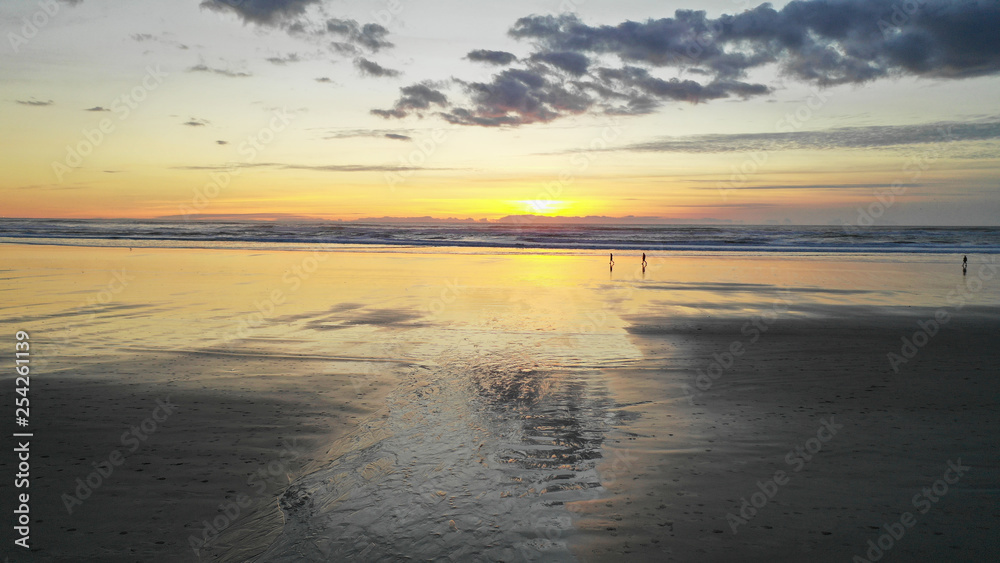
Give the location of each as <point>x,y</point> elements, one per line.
<point>543,206</point>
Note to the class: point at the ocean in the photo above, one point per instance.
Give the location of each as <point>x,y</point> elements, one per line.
<point>516,238</point>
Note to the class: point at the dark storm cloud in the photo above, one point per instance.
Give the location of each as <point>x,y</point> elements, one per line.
<point>371,68</point>
<point>500,58</point>
<point>573,63</point>
<point>823,42</point>
<point>264,12</point>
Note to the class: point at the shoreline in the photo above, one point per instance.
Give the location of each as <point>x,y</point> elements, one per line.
<point>479,249</point>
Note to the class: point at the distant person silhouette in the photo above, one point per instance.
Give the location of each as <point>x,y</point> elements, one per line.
<point>965,264</point>
<point>643,259</point>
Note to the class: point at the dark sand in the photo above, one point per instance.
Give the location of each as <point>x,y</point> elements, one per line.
<point>228,437</point>
<point>683,465</point>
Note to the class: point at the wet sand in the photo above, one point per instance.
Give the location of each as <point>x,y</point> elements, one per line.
<point>497,407</point>
<point>679,476</point>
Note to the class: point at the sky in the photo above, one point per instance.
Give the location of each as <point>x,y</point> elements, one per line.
<point>811,112</point>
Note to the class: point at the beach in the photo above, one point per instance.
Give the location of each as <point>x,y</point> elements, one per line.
<point>378,404</point>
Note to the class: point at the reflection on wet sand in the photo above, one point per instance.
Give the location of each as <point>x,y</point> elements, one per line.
<point>471,459</point>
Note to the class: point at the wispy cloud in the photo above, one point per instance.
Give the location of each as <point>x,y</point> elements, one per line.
<point>817,187</point>
<point>289,58</point>
<point>195,122</point>
<point>149,37</point>
<point>397,135</point>
<point>36,103</point>
<point>97,108</point>
<point>867,137</point>
<point>219,71</point>
<point>317,168</point>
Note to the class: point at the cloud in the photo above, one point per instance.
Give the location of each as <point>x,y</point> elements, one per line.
<point>289,58</point>
<point>352,38</point>
<point>261,12</point>
<point>36,103</point>
<point>219,71</point>
<point>376,133</point>
<point>195,122</point>
<point>317,168</point>
<point>222,142</point>
<point>501,58</point>
<point>358,168</point>
<point>868,137</point>
<point>369,37</point>
<point>821,41</point>
<point>324,80</point>
<point>618,69</point>
<point>370,68</point>
<point>149,37</point>
<point>573,63</point>
<point>415,98</point>
<point>97,108</point>
<point>818,187</point>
